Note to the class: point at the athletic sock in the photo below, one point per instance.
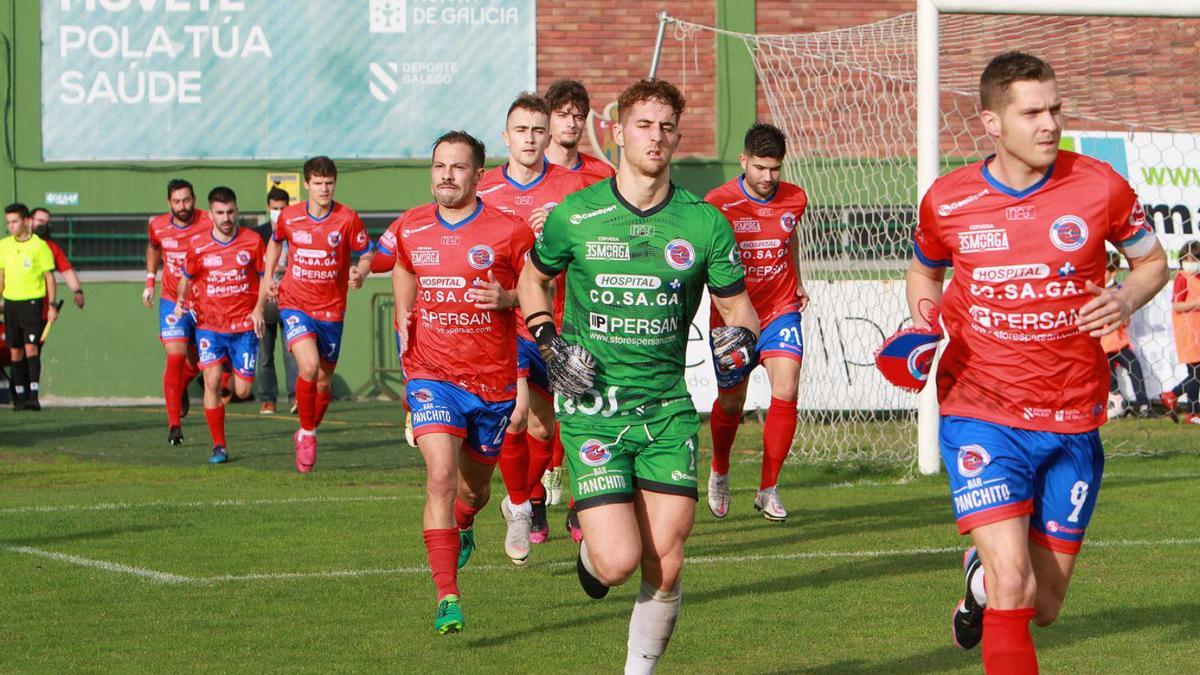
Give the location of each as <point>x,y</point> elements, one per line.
<point>464,513</point>
<point>724,429</point>
<point>556,452</point>
<point>442,548</point>
<point>322,405</point>
<point>778,431</point>
<point>1007,644</point>
<point>20,375</point>
<point>173,386</point>
<point>650,627</point>
<point>978,590</point>
<point>35,371</point>
<point>514,466</point>
<point>539,460</point>
<point>216,424</point>
<point>306,403</point>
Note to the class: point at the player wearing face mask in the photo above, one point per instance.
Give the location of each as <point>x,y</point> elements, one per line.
<point>268,381</point>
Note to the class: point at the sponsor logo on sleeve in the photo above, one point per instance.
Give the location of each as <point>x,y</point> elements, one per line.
<point>481,256</point>
<point>680,254</point>
<point>972,460</point>
<point>1137,217</point>
<point>1068,233</point>
<point>594,453</point>
<point>388,240</point>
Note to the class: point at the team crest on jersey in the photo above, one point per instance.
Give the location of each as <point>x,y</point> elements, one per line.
<point>243,258</point>
<point>972,459</point>
<point>361,239</point>
<point>423,395</point>
<point>680,254</point>
<point>334,238</point>
<point>302,237</point>
<point>481,256</point>
<point>1068,233</point>
<point>594,453</point>
<point>788,222</point>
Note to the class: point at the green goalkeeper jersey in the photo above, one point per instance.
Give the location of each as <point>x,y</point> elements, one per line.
<point>634,281</point>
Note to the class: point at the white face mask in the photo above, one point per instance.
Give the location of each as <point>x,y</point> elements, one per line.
<point>274,215</point>
<point>1191,267</point>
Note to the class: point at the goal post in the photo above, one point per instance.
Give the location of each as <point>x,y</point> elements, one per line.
<point>874,113</point>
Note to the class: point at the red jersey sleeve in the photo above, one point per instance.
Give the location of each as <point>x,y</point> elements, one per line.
<point>60,257</point>
<point>390,239</point>
<point>1179,289</point>
<point>360,241</point>
<point>260,257</point>
<point>522,241</point>
<point>191,264</point>
<point>281,229</point>
<point>154,240</point>
<point>1127,219</point>
<point>928,246</point>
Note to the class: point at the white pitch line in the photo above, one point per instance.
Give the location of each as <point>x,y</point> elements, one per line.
<point>151,575</point>
<point>121,506</point>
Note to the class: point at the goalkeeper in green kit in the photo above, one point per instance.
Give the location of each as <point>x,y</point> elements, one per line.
<point>638,252</point>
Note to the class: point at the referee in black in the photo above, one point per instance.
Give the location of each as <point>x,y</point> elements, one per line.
<point>27,288</point>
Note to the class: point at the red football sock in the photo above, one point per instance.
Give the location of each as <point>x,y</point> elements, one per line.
<point>442,548</point>
<point>514,467</point>
<point>216,424</point>
<point>539,459</point>
<point>172,386</point>
<point>464,513</point>
<point>322,405</point>
<point>1007,644</point>
<point>724,429</point>
<point>777,440</point>
<point>306,403</point>
<point>556,454</point>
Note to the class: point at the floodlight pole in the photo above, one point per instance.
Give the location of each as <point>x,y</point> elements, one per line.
<point>663,20</point>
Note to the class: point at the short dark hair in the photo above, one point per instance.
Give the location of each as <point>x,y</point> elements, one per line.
<point>562,92</point>
<point>179,184</point>
<point>319,166</point>
<point>529,101</point>
<point>222,194</point>
<point>765,140</point>
<point>648,89</point>
<point>278,194</point>
<point>18,208</point>
<point>33,211</point>
<point>1192,248</point>
<point>478,151</point>
<point>1005,69</point>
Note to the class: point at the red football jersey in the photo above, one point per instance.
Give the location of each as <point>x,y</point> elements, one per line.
<point>173,240</point>
<point>450,340</point>
<point>1021,262</point>
<point>593,169</point>
<point>763,229</point>
<point>61,264</point>
<point>226,277</point>
<point>318,266</point>
<point>543,192</point>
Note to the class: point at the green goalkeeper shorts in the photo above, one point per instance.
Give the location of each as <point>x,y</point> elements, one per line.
<point>608,462</point>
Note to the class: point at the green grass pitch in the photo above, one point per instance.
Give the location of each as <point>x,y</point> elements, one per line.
<point>121,554</point>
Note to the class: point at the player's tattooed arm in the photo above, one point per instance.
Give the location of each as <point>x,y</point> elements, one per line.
<point>922,289</point>
<point>1110,307</point>
<point>491,294</point>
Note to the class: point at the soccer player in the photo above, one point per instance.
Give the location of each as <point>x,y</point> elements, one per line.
<point>457,262</point>
<point>763,212</point>
<point>41,227</point>
<point>268,383</point>
<point>638,252</point>
<point>322,236</point>
<point>170,234</point>
<point>527,186</point>
<point>225,267</point>
<point>569,107</point>
<point>1023,381</point>
<point>27,289</point>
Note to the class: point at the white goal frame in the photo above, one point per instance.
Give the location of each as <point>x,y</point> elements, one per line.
<point>929,115</point>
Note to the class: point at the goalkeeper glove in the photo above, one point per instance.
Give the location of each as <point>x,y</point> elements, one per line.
<point>572,369</point>
<point>734,347</point>
<point>906,357</point>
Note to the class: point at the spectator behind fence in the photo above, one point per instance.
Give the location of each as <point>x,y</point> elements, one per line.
<point>41,227</point>
<point>27,289</point>
<point>268,382</point>
<point>1185,319</point>
<point>1116,346</point>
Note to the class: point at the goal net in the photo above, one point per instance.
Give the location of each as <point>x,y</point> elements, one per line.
<point>847,100</point>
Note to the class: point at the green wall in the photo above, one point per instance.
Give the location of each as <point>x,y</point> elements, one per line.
<point>117,188</point>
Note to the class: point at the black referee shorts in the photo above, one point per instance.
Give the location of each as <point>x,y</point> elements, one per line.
<point>24,321</point>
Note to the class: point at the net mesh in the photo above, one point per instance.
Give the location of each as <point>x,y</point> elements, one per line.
<point>847,101</point>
